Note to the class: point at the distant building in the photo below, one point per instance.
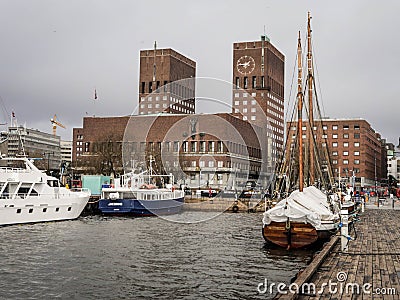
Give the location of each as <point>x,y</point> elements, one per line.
<point>35,144</point>
<point>66,151</point>
<point>160,85</point>
<point>259,70</point>
<point>393,161</point>
<point>355,150</point>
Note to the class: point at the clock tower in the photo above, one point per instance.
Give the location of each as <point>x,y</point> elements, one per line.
<point>258,83</point>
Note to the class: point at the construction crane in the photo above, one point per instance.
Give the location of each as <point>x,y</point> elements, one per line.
<point>55,124</point>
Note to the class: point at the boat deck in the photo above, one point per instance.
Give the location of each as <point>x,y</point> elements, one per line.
<point>369,270</point>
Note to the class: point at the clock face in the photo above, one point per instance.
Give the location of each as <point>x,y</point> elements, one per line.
<point>245,65</point>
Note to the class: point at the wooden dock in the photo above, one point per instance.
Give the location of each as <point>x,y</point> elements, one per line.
<point>369,270</point>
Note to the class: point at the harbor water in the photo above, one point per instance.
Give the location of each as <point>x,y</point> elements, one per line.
<point>99,257</point>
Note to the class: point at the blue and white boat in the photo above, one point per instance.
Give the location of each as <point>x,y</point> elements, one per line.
<point>143,194</point>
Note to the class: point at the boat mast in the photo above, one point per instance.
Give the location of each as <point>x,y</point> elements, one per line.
<point>310,103</point>
<point>300,113</point>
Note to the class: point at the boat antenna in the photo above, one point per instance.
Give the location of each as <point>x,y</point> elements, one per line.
<point>299,113</point>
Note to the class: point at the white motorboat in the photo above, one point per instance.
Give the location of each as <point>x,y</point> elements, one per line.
<point>28,195</point>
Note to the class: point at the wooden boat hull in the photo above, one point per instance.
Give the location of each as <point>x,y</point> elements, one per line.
<point>299,235</point>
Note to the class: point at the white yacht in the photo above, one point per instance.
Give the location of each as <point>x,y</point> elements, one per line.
<point>28,195</point>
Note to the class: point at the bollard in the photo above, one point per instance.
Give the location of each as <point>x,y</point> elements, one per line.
<point>344,230</point>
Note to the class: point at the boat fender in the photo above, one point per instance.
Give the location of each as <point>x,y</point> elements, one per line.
<point>235,208</point>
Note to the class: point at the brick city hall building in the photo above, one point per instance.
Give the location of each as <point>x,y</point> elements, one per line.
<point>259,83</point>
<point>218,150</point>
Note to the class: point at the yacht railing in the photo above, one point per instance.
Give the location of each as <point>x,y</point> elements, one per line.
<point>14,170</point>
<point>63,194</point>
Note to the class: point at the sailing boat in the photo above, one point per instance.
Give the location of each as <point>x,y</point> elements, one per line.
<point>307,214</point>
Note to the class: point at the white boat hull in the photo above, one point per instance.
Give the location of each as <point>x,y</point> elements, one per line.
<point>41,209</point>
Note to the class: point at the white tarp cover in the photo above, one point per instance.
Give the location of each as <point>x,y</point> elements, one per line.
<point>310,206</point>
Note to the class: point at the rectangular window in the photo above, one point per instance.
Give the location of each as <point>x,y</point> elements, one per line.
<point>345,162</point>
<point>245,82</point>
<point>202,164</point>
<point>334,127</point>
<point>345,153</point>
<point>357,153</point>
<point>158,85</point>
<point>357,127</point>
<point>356,144</point>
<point>356,135</point>
<point>220,164</point>
<point>253,82</point>
<point>202,146</point>
<point>185,146</point>
<point>220,146</point>
<point>211,146</point>
<point>357,162</point>
<point>334,153</point>
<point>325,127</point>
<point>346,136</point>
<point>165,85</point>
<point>345,144</point>
<point>253,118</point>
<point>346,127</point>
<point>193,163</point>
<point>334,145</point>
<point>262,81</point>
<point>150,87</point>
<point>193,147</point>
<point>237,82</point>
<point>334,136</point>
<point>143,87</point>
<point>211,164</point>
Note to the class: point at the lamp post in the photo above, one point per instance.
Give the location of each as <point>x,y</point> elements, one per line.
<point>199,178</point>
<point>376,188</point>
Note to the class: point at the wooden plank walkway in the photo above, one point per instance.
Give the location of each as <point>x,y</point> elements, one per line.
<point>369,270</point>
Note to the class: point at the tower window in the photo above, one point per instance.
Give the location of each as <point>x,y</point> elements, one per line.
<point>150,87</point>
<point>254,82</point>
<point>262,81</point>
<point>143,87</point>
<point>245,82</point>
<point>237,82</point>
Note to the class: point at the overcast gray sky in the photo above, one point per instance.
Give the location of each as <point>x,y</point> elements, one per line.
<point>55,53</point>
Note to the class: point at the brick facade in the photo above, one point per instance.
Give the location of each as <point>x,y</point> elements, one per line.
<point>207,148</point>
<point>353,145</point>
<point>161,84</point>
<point>258,69</point>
